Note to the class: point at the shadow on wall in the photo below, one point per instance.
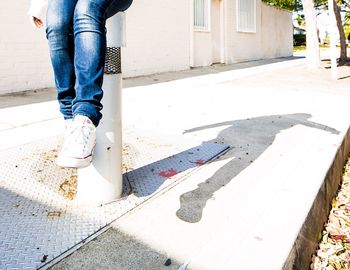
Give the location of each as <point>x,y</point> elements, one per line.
<point>248,139</point>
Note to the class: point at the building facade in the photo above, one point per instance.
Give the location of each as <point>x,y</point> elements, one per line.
<point>161,35</point>
<point>240,30</point>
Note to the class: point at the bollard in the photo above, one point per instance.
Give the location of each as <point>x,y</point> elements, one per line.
<point>101,182</point>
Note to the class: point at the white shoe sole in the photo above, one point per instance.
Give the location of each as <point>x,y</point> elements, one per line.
<point>69,162</point>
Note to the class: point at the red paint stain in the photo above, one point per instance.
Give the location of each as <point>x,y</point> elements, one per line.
<point>200,162</point>
<point>169,173</point>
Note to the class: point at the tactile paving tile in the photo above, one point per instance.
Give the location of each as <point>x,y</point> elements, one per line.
<point>39,217</point>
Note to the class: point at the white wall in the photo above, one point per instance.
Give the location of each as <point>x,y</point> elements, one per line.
<point>24,57</point>
<point>202,52</point>
<point>273,37</point>
<point>157,37</point>
<point>277,26</point>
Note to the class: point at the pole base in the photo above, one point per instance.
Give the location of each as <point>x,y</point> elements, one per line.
<point>94,190</point>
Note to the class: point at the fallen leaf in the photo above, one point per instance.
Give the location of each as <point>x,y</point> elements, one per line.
<point>54,214</point>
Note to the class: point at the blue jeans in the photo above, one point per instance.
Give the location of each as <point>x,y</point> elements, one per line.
<point>76,34</point>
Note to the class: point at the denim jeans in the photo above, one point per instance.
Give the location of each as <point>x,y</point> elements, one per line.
<point>76,34</point>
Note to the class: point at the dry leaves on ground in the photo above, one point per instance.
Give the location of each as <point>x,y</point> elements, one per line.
<point>334,248</point>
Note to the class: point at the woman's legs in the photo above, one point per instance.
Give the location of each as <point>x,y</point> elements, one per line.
<point>77,40</point>
<point>117,6</point>
<point>90,52</point>
<point>89,59</point>
<point>59,32</point>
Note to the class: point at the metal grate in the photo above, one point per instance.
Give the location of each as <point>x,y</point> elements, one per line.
<point>40,221</point>
<point>113,61</point>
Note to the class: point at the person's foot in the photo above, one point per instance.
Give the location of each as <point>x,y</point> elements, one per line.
<point>68,123</point>
<point>79,143</point>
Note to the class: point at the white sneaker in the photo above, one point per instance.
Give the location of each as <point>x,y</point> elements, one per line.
<point>68,123</point>
<point>80,140</point>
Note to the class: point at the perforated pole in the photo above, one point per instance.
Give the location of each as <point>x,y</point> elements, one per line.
<point>101,182</point>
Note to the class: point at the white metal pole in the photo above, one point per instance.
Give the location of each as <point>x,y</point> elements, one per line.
<point>101,182</point>
<point>333,37</point>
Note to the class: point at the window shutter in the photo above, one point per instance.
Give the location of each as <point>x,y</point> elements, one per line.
<point>246,16</point>
<point>201,15</point>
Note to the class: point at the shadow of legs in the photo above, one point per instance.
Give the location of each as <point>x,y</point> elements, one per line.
<point>192,204</point>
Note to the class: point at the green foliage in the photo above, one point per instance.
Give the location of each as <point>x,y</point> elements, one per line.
<point>347,31</point>
<point>285,4</point>
<point>296,5</point>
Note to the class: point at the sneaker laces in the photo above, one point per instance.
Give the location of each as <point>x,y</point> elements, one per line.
<point>80,132</point>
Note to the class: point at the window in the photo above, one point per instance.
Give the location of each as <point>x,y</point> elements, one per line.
<point>201,15</point>
<point>246,16</point>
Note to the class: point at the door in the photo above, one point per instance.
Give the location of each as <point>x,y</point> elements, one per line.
<point>217,30</point>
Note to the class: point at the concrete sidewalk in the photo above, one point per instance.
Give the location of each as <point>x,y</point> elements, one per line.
<point>260,205</point>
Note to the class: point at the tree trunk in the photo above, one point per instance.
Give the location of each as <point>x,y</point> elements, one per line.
<point>312,45</point>
<point>343,54</point>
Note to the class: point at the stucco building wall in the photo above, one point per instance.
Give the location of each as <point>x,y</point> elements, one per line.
<point>202,42</point>
<point>273,37</point>
<point>24,55</point>
<point>159,38</point>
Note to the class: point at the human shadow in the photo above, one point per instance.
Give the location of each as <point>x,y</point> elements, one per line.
<point>248,139</point>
